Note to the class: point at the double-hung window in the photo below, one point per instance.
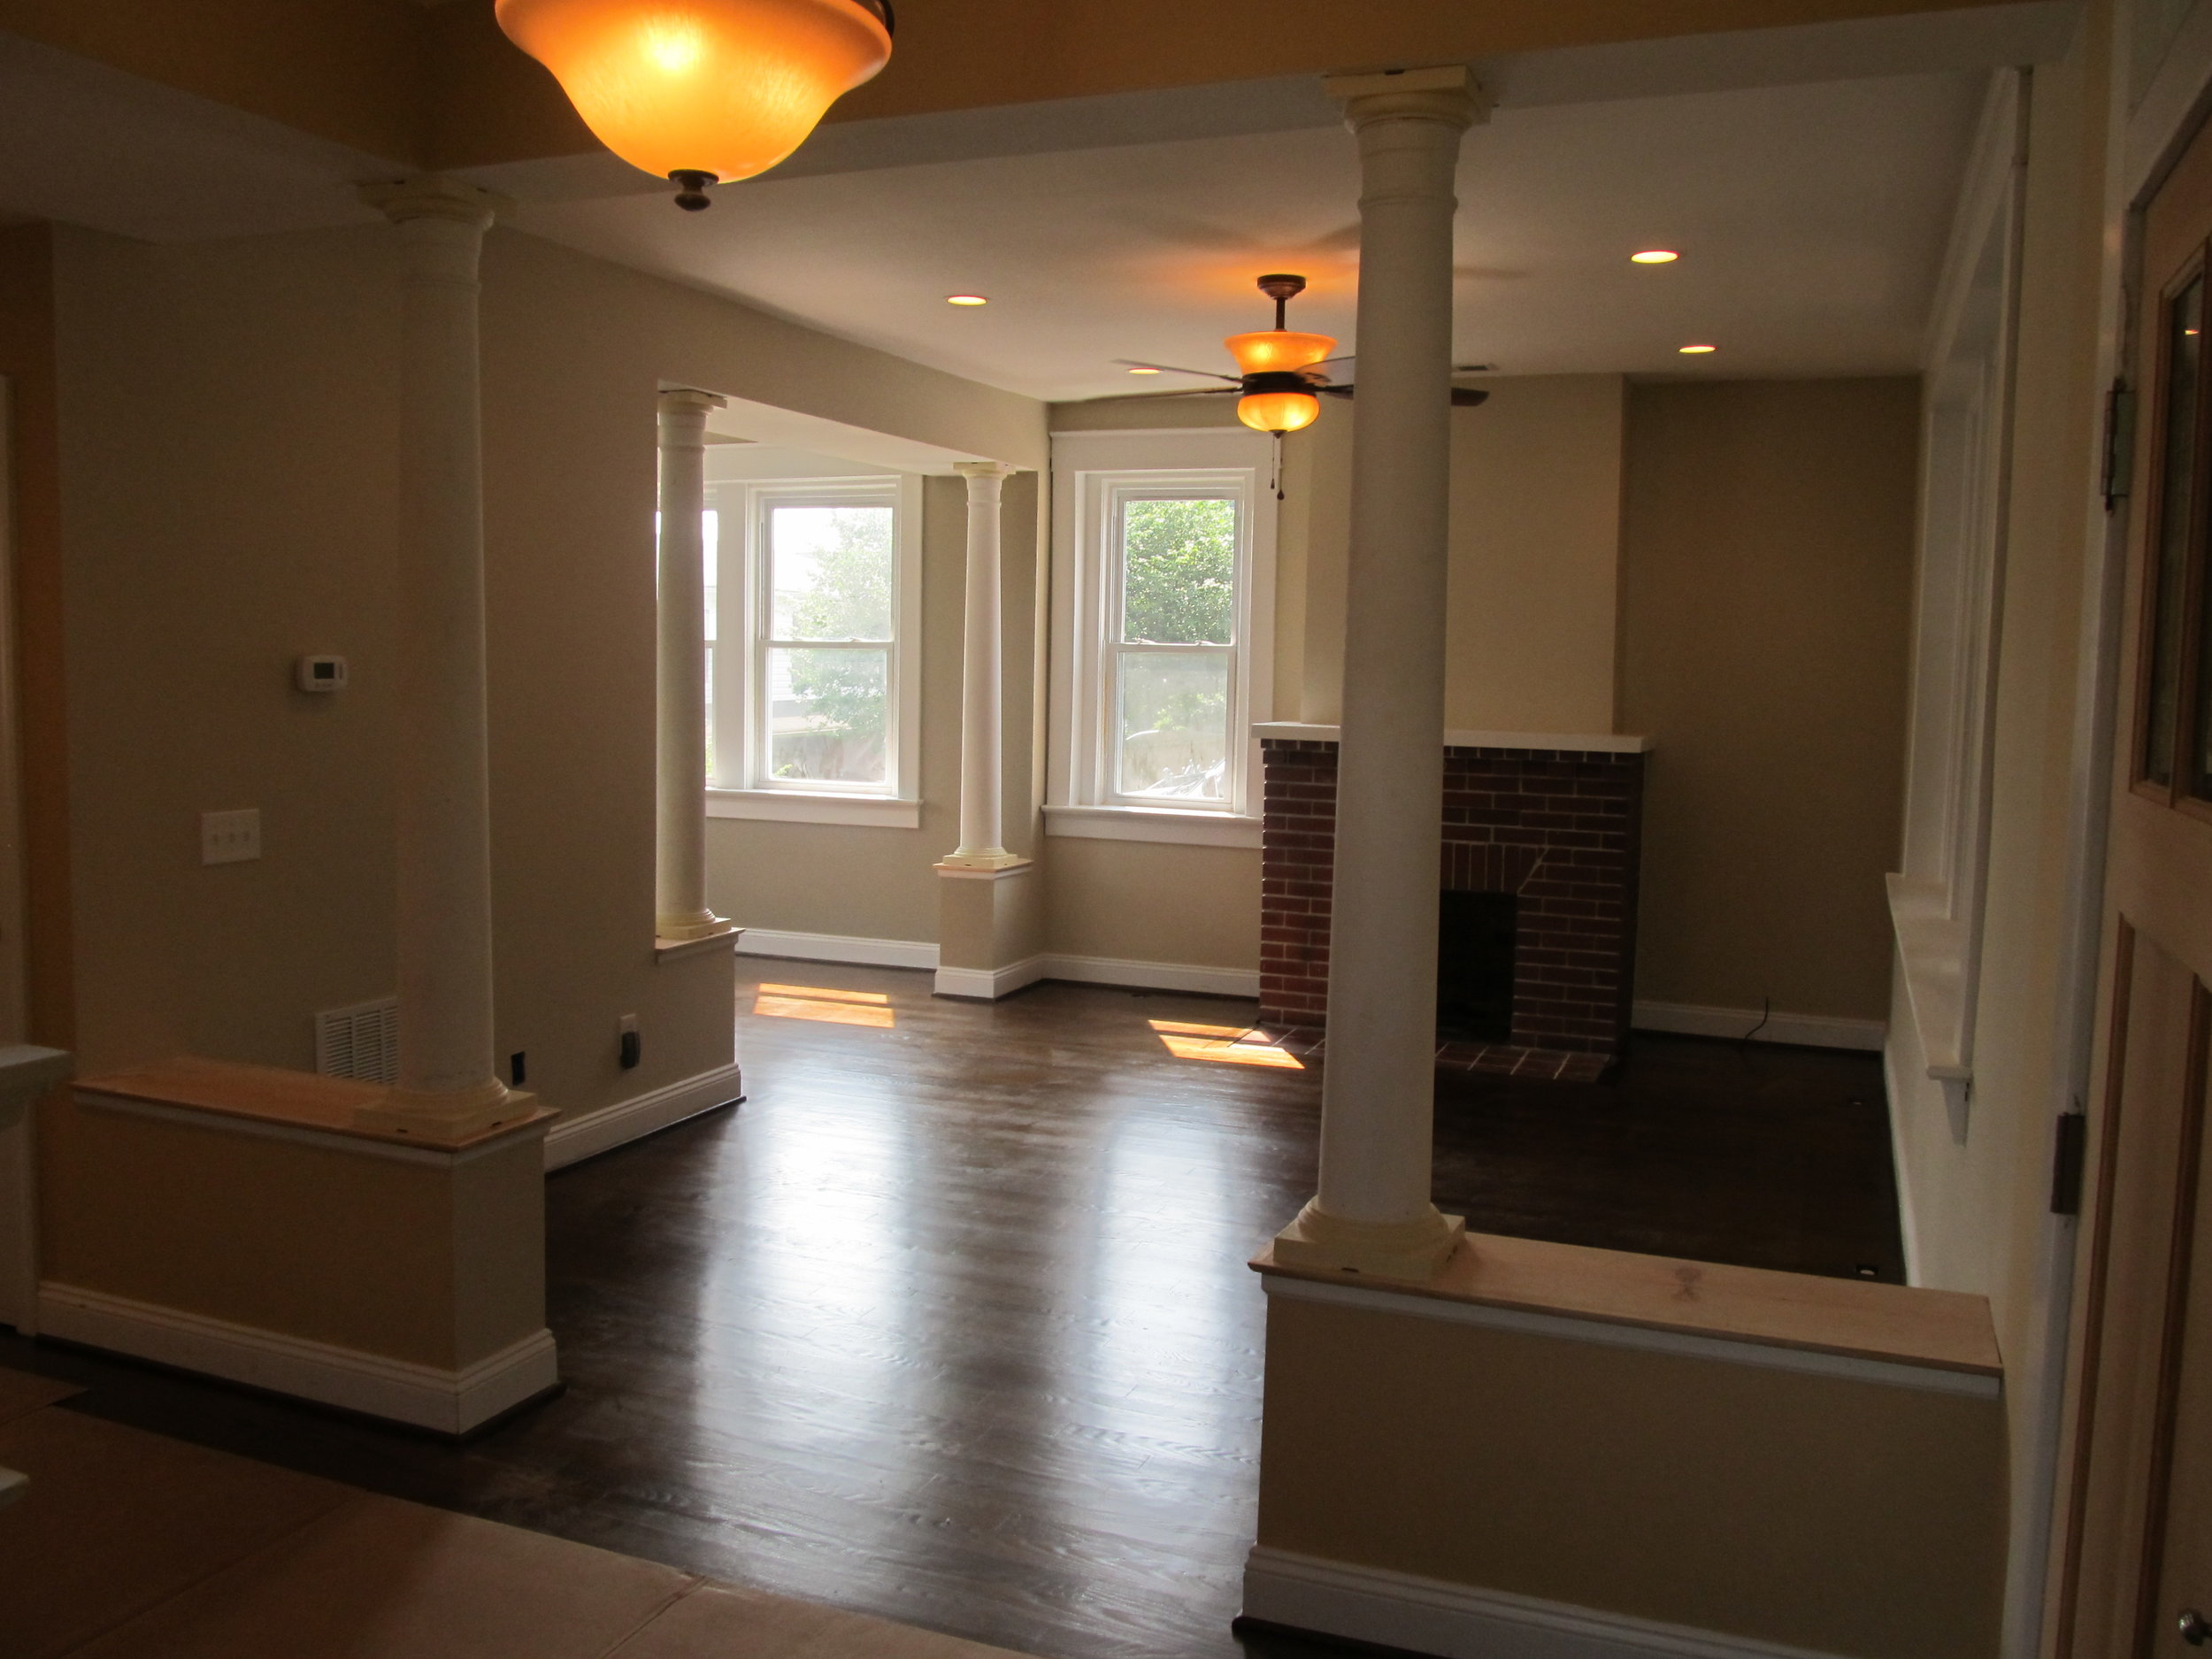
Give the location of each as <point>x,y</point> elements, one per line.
<point>1164,569</point>
<point>813,608</point>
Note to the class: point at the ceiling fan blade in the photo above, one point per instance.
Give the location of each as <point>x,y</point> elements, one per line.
<point>1169,368</point>
<point>1133,397</point>
<point>1463,396</point>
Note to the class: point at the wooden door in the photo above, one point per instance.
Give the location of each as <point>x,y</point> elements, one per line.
<point>2136,1545</point>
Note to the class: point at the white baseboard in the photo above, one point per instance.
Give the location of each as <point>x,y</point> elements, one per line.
<point>1457,1621</point>
<point>1813,1031</point>
<point>1154,976</point>
<point>992,983</point>
<point>451,1401</point>
<point>589,1133</point>
<point>989,984</point>
<point>873,953</point>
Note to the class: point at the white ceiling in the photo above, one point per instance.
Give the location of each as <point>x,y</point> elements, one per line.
<point>1810,218</point>
<point>1806,173</point>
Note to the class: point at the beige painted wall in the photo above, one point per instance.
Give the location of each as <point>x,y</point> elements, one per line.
<point>1765,605</point>
<point>229,436</point>
<point>1535,541</point>
<point>1821,1513</point>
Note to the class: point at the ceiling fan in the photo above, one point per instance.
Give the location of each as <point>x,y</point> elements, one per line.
<point>1283,370</point>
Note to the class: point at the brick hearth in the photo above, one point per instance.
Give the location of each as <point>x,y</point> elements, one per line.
<point>1557,827</point>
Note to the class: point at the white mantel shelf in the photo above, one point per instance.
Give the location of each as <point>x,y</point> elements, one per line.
<point>1564,742</point>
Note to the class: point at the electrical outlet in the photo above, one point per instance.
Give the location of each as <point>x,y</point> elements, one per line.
<point>629,1047</point>
<point>230,838</point>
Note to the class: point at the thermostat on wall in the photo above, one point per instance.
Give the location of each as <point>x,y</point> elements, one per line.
<point>321,673</point>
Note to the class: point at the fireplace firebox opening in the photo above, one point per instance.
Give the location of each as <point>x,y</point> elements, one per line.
<point>1475,937</point>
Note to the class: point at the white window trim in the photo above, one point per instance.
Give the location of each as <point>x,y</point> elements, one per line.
<point>1936,900</point>
<point>738,674</point>
<point>1088,467</point>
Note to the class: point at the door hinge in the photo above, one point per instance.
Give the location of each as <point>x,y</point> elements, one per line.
<point>2069,1155</point>
<point>2119,444</point>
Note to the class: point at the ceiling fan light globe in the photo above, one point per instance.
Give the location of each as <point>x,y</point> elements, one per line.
<point>727,87</point>
<point>1274,350</point>
<point>1279,411</point>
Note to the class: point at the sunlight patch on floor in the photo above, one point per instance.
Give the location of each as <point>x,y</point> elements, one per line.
<point>1238,1045</point>
<point>823,1002</point>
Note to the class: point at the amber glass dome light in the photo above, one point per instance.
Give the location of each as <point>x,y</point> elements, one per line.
<point>1278,366</point>
<point>702,91</point>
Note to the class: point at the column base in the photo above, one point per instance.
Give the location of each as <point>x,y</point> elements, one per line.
<point>1412,1250</point>
<point>985,863</point>
<point>678,930</point>
<point>445,1115</point>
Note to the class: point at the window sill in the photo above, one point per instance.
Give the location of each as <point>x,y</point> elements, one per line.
<point>1932,948</point>
<point>1144,824</point>
<point>795,806</point>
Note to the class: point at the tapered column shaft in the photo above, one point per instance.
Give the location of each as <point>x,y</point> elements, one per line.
<point>1372,1210</point>
<point>679,887</point>
<point>982,820</point>
<point>447,1081</point>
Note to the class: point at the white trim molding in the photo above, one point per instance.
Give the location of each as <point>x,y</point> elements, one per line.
<point>802,806</point>
<point>989,984</point>
<point>869,953</point>
<point>1459,1620</point>
<point>1149,824</point>
<point>588,1134</point>
<point>450,1401</point>
<point>1810,1031</point>
<point>1725,1350</point>
<point>1559,743</point>
<point>1194,979</point>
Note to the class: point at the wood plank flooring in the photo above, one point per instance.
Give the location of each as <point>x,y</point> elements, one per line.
<point>949,1322</point>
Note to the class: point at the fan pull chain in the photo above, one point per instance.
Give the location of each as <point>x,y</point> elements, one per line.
<point>1279,466</point>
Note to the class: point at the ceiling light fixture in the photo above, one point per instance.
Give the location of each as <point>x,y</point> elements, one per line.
<point>1692,351</point>
<point>1655,256</point>
<point>1143,369</point>
<point>702,91</point>
<point>1278,367</point>
<point>965,299</point>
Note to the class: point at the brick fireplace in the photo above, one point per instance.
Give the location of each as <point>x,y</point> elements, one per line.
<point>1557,828</point>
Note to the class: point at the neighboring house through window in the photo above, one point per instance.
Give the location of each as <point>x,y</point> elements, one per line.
<point>1162,582</point>
<point>813,602</point>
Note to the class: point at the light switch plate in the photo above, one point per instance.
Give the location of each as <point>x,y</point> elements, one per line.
<point>230,838</point>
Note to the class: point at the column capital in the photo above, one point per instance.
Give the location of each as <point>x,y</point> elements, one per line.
<point>1446,92</point>
<point>985,469</point>
<point>690,399</point>
<point>433,196</point>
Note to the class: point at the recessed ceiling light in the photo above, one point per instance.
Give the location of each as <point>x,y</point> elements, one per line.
<point>1142,371</point>
<point>965,299</point>
<point>1655,256</point>
<point>1692,351</point>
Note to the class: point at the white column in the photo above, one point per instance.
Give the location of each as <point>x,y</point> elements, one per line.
<point>982,761</point>
<point>680,887</point>
<point>1379,1079</point>
<point>447,1084</point>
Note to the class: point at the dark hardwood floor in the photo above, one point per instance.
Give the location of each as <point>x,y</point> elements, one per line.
<point>949,1322</point>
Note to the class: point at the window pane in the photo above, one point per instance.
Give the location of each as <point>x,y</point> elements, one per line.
<point>826,711</point>
<point>2176,494</point>
<point>1173,724</point>
<point>711,526</point>
<point>1179,572</point>
<point>830,573</point>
